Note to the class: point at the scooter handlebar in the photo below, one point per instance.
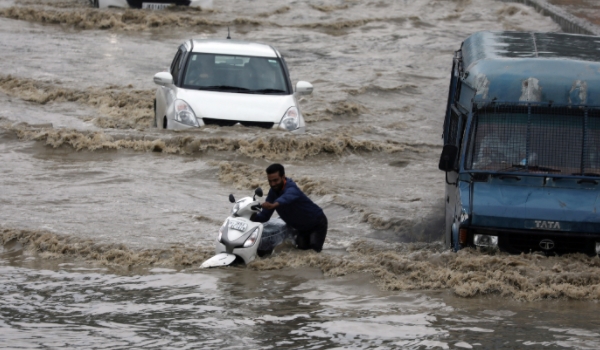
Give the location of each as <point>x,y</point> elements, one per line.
<point>256,207</point>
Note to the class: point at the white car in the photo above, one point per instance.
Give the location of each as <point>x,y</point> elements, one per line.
<point>150,4</point>
<point>227,82</point>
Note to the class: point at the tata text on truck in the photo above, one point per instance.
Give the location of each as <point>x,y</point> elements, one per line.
<point>522,143</point>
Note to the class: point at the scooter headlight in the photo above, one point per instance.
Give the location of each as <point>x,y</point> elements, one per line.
<point>184,113</point>
<point>235,209</point>
<point>252,239</point>
<point>291,119</point>
<point>222,230</point>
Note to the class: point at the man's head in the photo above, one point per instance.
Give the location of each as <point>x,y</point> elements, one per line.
<point>276,176</point>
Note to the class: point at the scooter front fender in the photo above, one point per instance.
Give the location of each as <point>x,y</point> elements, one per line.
<point>247,254</point>
<point>222,259</point>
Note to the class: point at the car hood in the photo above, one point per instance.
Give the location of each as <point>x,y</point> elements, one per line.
<point>237,106</point>
<point>502,204</point>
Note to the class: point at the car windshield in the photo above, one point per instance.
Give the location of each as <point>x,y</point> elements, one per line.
<point>238,74</point>
<point>562,141</point>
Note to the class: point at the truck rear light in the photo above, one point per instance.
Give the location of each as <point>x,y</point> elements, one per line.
<point>462,236</point>
<point>491,241</point>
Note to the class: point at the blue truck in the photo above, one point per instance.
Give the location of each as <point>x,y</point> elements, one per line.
<point>522,143</point>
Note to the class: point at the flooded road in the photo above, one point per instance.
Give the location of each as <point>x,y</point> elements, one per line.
<point>78,306</point>
<point>104,220</point>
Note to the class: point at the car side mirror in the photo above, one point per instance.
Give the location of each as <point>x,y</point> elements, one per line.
<point>231,198</point>
<point>258,192</point>
<point>163,78</point>
<point>304,88</point>
<point>448,158</point>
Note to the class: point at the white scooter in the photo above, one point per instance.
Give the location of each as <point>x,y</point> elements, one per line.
<point>242,239</point>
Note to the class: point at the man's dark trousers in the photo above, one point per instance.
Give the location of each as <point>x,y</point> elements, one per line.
<point>314,238</point>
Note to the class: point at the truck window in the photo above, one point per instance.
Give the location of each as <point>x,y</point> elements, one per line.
<point>455,132</point>
<point>453,93</point>
<point>557,140</point>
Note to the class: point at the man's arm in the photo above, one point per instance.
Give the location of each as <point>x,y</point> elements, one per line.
<point>270,206</point>
<point>265,214</point>
<point>290,196</point>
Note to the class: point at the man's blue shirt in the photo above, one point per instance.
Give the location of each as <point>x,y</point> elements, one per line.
<point>295,208</point>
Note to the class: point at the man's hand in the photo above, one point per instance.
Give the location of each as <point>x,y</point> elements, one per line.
<point>269,206</point>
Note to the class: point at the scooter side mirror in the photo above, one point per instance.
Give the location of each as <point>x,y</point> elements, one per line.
<point>258,192</point>
<point>231,198</point>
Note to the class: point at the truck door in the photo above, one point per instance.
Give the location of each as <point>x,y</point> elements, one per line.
<point>454,125</point>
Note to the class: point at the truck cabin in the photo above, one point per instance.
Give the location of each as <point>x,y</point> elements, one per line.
<point>522,143</point>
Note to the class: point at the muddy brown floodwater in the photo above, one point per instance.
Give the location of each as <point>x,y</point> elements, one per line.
<point>104,220</point>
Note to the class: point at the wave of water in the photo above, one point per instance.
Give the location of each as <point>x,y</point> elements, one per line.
<point>87,306</point>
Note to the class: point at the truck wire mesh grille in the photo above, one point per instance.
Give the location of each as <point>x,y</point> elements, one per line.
<point>557,140</point>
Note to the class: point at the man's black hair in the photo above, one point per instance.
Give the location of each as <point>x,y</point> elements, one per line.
<point>276,168</point>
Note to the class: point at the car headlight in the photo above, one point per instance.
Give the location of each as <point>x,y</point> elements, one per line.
<point>252,239</point>
<point>291,119</point>
<point>184,113</point>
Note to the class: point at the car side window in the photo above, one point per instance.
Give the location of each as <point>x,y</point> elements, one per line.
<point>176,65</point>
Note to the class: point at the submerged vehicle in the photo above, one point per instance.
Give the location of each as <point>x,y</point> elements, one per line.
<point>522,143</point>
<point>241,239</point>
<point>151,4</point>
<point>225,83</point>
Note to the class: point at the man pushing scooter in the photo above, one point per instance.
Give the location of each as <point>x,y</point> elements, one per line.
<point>295,208</point>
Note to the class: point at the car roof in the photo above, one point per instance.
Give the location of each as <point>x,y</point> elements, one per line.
<point>565,68</point>
<point>233,47</point>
